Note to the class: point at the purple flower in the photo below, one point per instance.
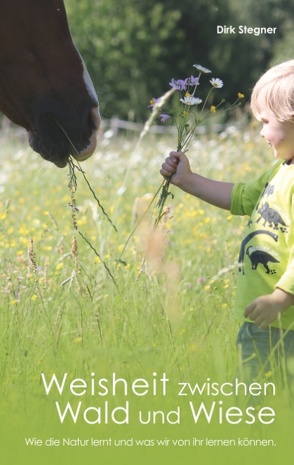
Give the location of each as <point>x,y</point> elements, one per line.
<point>164,117</point>
<point>153,102</point>
<point>192,81</point>
<point>179,84</point>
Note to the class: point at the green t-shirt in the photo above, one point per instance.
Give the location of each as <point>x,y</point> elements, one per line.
<point>266,259</point>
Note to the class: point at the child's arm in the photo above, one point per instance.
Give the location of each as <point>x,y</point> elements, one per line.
<point>266,309</point>
<point>214,192</point>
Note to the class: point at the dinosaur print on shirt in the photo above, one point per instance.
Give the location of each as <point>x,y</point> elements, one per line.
<point>266,258</point>
<point>273,223</point>
<point>270,217</point>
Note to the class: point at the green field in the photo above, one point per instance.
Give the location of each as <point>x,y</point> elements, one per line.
<point>133,302</point>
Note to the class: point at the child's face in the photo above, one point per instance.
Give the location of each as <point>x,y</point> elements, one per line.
<point>280,136</point>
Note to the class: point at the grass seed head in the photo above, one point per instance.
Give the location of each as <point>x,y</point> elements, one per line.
<point>32,256</point>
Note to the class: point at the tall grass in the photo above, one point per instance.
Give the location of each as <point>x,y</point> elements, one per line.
<point>173,308</point>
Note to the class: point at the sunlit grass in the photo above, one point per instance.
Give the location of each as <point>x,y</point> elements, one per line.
<point>198,243</point>
<point>172,308</point>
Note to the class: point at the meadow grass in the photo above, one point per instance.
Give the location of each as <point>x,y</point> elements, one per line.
<point>171,308</point>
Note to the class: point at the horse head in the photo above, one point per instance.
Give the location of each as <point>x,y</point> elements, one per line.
<point>44,84</point>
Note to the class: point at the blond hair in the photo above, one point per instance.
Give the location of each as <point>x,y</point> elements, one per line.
<point>275,90</point>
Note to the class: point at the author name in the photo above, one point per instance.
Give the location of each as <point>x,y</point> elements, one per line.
<point>256,31</point>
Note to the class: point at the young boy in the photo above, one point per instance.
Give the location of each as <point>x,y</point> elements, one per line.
<point>265,282</point>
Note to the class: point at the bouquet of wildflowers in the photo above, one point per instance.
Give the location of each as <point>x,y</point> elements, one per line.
<point>191,113</point>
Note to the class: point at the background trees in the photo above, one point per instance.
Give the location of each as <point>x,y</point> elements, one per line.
<point>134,47</point>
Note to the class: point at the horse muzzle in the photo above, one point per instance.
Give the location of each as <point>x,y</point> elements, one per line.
<point>54,139</point>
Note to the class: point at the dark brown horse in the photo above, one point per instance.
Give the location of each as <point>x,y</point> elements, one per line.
<point>44,84</point>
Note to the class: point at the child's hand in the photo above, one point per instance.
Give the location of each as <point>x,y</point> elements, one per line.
<point>176,169</point>
<point>266,309</point>
<point>176,165</point>
<point>262,312</point>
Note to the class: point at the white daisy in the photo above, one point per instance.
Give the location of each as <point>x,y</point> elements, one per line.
<point>190,100</point>
<point>202,69</point>
<point>216,82</point>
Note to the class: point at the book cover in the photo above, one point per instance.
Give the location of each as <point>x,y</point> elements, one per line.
<point>118,339</point>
